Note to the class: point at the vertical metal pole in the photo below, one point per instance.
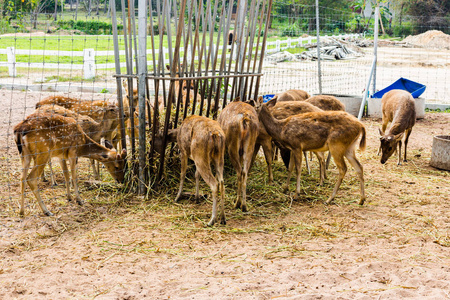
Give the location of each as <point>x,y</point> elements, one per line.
<point>142,71</point>
<point>319,71</point>
<point>112,5</point>
<point>375,46</point>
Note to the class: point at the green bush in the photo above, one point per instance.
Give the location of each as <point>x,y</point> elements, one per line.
<point>402,30</point>
<point>290,30</point>
<point>88,27</point>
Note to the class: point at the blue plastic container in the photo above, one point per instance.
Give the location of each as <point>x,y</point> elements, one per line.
<point>268,97</point>
<point>416,89</point>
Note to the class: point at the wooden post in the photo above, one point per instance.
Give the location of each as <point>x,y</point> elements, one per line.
<point>11,54</point>
<point>88,63</point>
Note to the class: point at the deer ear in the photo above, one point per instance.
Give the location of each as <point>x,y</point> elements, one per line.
<point>251,102</point>
<point>260,100</point>
<point>399,136</point>
<point>271,103</point>
<point>237,99</point>
<point>168,67</point>
<point>380,131</point>
<point>108,144</point>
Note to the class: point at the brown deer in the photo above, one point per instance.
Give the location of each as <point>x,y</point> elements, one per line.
<point>202,140</point>
<point>326,102</point>
<point>93,129</point>
<point>337,132</point>
<point>42,136</point>
<point>292,95</point>
<point>398,109</point>
<point>281,110</point>
<point>240,123</point>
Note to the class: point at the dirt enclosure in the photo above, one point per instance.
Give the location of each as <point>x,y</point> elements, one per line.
<point>123,246</point>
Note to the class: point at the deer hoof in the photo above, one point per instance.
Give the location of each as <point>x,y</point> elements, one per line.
<point>361,202</point>
<point>48,213</point>
<point>244,208</point>
<point>222,220</point>
<point>80,202</point>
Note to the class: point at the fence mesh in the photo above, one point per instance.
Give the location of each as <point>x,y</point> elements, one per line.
<point>71,53</point>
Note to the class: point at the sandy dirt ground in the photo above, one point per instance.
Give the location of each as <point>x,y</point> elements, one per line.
<point>123,246</point>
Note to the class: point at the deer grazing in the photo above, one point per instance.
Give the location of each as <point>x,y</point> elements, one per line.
<point>42,136</point>
<point>337,132</point>
<point>292,95</point>
<point>202,140</point>
<point>240,123</point>
<point>93,129</point>
<point>398,109</point>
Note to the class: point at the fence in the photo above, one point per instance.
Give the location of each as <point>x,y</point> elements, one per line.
<point>89,65</point>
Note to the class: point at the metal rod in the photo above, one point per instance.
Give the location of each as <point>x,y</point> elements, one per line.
<point>366,91</point>
<point>375,48</point>
<point>142,71</point>
<point>319,70</point>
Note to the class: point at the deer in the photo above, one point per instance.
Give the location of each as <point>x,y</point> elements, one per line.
<point>202,140</point>
<point>398,108</point>
<point>335,131</point>
<point>292,95</point>
<point>327,103</point>
<point>281,110</point>
<point>187,90</point>
<point>42,136</point>
<point>93,129</point>
<point>240,124</point>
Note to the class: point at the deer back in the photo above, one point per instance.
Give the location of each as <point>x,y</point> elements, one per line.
<point>326,102</point>
<point>292,95</point>
<point>398,108</point>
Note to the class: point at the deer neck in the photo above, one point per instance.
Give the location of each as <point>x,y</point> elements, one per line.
<point>272,125</point>
<point>93,150</point>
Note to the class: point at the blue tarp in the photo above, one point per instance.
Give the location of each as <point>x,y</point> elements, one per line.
<point>268,97</point>
<point>416,89</point>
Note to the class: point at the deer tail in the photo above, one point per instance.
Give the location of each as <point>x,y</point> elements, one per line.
<point>19,141</point>
<point>244,132</point>
<point>362,143</point>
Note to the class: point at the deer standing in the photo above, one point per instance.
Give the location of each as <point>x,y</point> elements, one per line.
<point>398,109</point>
<point>42,136</point>
<point>240,123</point>
<point>337,132</point>
<point>202,140</point>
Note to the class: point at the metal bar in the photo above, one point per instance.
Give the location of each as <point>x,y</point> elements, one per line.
<point>195,45</point>
<point>375,48</point>
<point>366,91</point>
<point>230,62</point>
<point>224,51</point>
<point>319,71</point>
<point>142,71</point>
<point>261,18</point>
<point>202,50</point>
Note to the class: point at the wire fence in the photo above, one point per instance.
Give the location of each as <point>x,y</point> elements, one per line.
<point>71,53</point>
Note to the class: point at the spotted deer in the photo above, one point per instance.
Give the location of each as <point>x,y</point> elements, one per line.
<point>202,140</point>
<point>398,108</point>
<point>95,130</point>
<point>42,136</point>
<point>337,132</point>
<point>240,124</point>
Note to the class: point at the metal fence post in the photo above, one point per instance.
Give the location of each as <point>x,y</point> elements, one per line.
<point>319,71</point>
<point>375,46</point>
<point>88,63</point>
<point>11,54</point>
<point>142,71</point>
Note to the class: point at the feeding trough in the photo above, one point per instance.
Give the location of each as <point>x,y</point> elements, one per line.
<point>416,89</point>
<point>440,153</point>
<point>352,103</point>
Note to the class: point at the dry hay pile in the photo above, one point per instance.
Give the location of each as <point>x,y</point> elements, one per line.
<point>430,39</point>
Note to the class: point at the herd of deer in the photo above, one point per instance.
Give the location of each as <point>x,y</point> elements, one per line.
<point>293,121</point>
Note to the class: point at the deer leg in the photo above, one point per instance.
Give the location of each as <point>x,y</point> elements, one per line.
<point>66,174</point>
<point>268,154</point>
<point>205,171</point>
<point>184,161</point>
<point>255,153</point>
<point>36,172</point>
<point>197,186</point>
<point>359,169</point>
<point>291,167</point>
<point>219,175</point>
<point>73,171</point>
<point>95,169</point>
<point>408,132</point>
<point>399,162</point>
<point>275,156</point>
<point>328,162</point>
<point>342,167</point>
<point>26,161</point>
<point>233,152</point>
<point>297,157</point>
<point>321,160</point>
<point>306,162</point>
